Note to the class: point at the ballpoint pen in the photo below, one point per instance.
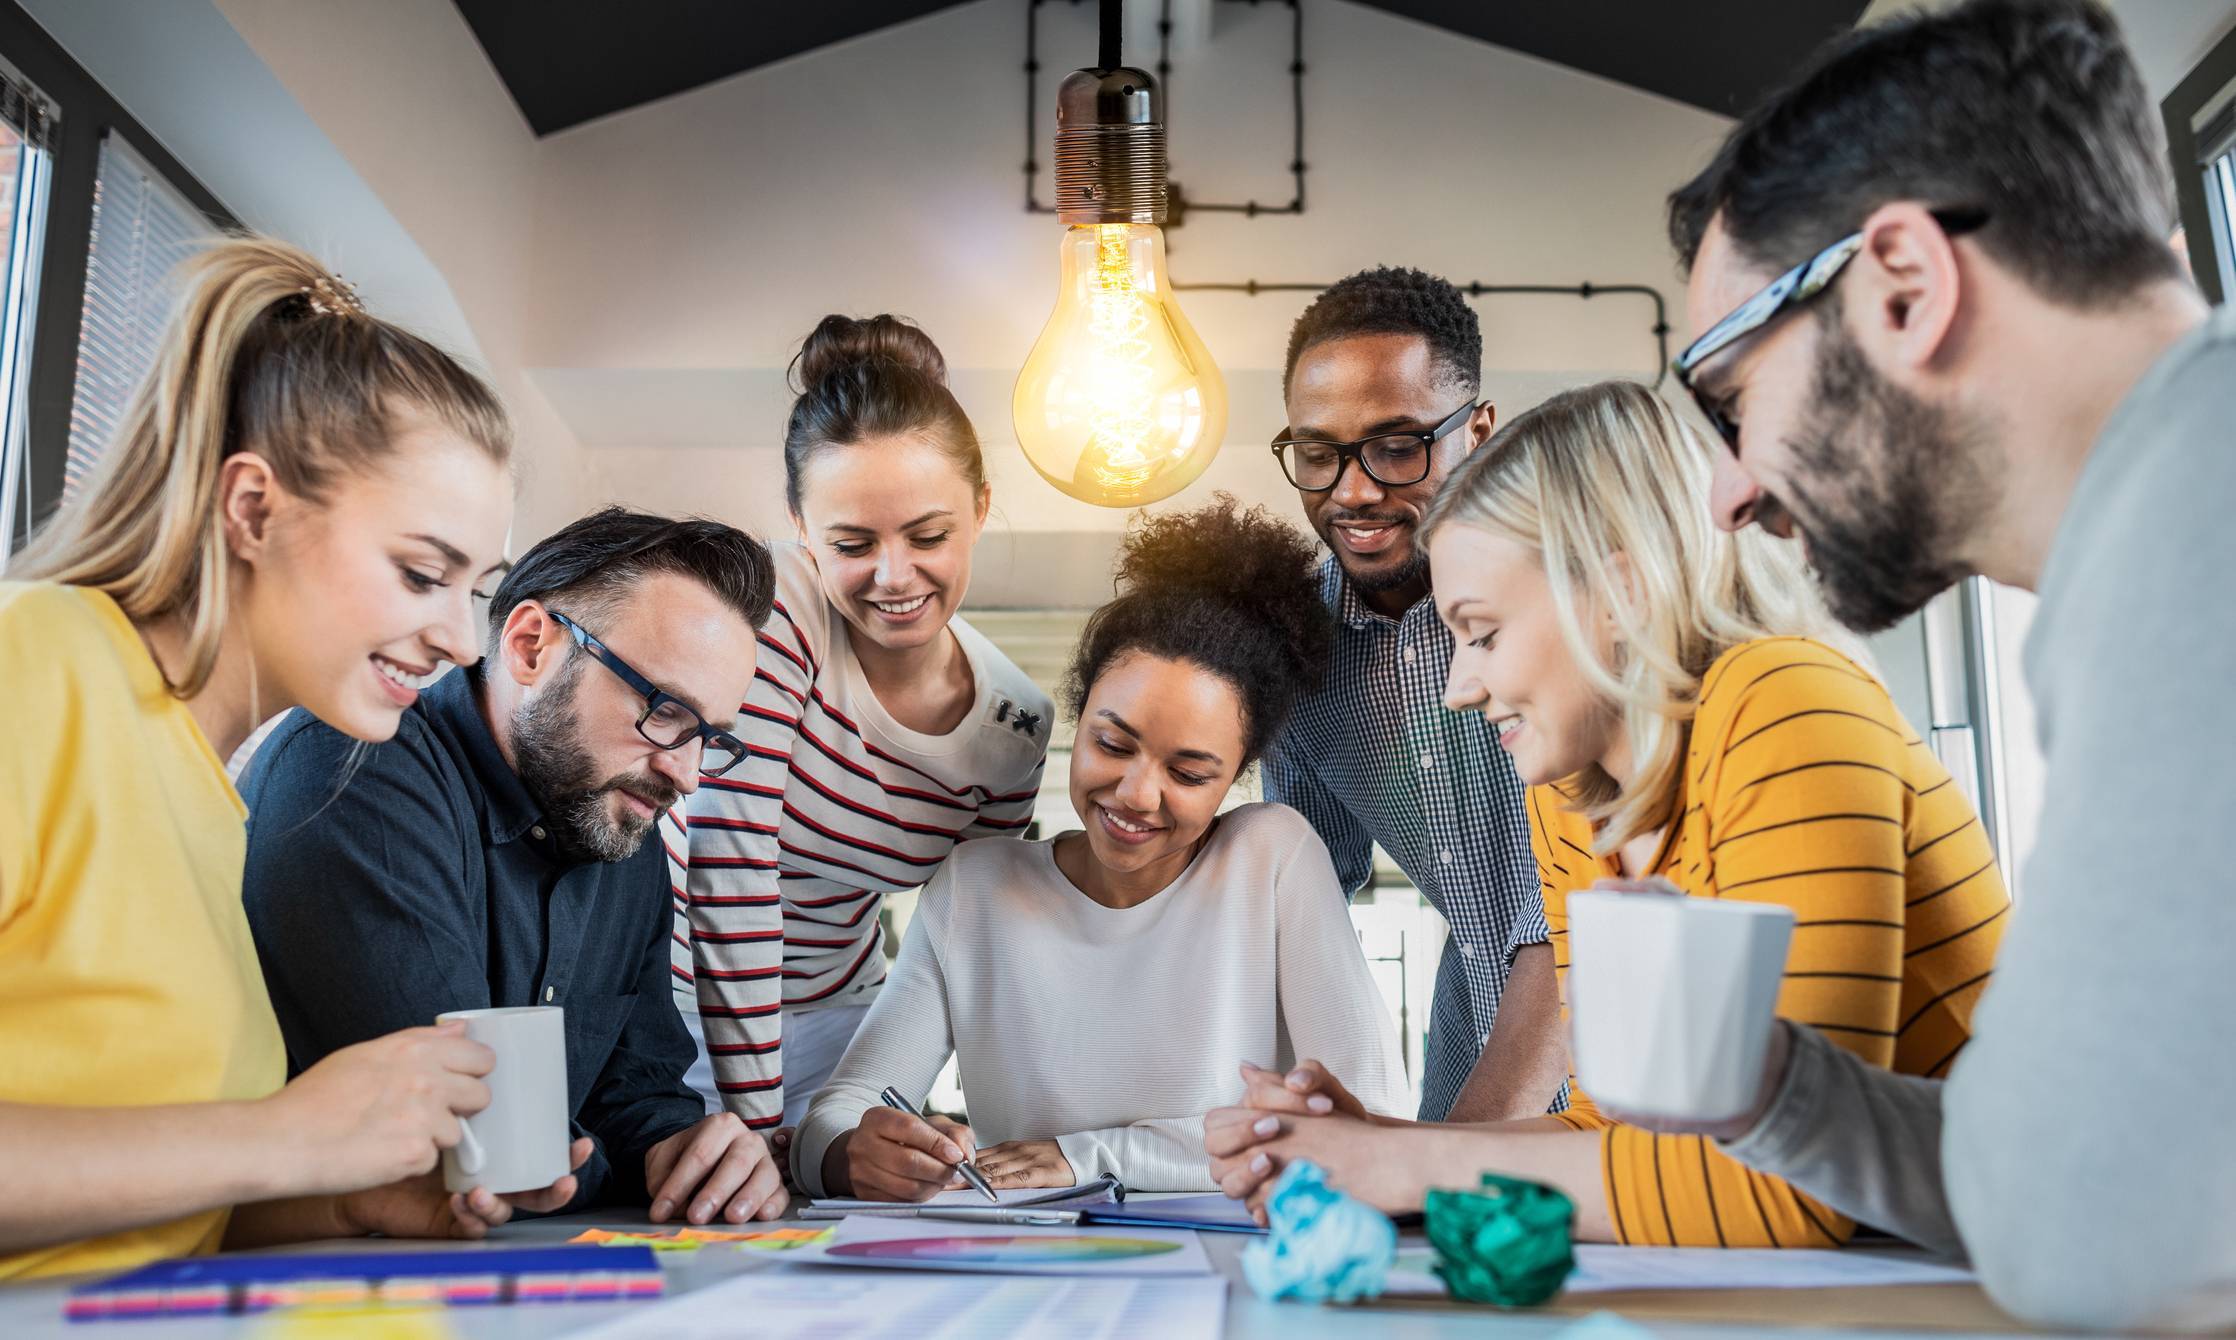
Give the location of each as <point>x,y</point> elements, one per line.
<point>971,1174</point>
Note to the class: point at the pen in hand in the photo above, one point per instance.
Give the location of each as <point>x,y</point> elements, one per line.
<point>892,1098</point>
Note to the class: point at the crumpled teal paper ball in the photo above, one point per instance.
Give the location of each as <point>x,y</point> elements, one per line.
<point>1325,1246</point>
<point>1507,1244</point>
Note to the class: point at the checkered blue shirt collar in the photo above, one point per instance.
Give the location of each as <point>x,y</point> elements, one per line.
<point>1343,597</point>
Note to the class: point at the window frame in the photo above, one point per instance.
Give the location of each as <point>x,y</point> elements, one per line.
<point>2199,88</point>
<point>86,113</point>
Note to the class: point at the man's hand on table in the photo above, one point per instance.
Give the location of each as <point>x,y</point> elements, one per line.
<point>715,1169</point>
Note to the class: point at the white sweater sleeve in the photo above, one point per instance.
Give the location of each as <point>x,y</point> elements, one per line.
<point>1164,1154</point>
<point>903,1041</point>
<point>1330,1005</point>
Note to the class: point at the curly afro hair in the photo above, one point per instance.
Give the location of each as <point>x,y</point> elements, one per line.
<point>1235,592</point>
<point>1391,301</point>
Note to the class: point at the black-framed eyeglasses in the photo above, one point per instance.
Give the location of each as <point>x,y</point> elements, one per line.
<point>667,722</point>
<point>1392,460</point>
<point>1781,297</point>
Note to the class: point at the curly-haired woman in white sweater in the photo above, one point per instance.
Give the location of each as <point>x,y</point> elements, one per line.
<point>1098,988</point>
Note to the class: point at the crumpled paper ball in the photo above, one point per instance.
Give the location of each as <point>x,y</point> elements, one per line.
<point>1508,1244</point>
<point>1325,1247</point>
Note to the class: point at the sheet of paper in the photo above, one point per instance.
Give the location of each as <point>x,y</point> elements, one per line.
<point>782,1239</point>
<point>871,1305</point>
<point>1000,1249</point>
<point>1101,1191</point>
<point>1604,1269</point>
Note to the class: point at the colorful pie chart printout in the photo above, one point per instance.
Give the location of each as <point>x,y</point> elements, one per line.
<point>1003,1251</point>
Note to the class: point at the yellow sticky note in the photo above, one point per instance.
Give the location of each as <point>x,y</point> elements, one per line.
<point>361,1321</point>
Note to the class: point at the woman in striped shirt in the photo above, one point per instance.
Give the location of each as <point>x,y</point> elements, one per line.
<point>1682,709</point>
<point>881,728</point>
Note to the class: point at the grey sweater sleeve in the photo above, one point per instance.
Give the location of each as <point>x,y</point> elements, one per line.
<point>1862,1140</point>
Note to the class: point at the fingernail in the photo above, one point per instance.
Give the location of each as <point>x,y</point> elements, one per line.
<point>1267,1126</point>
<point>1299,1080</point>
<point>660,1208</point>
<point>952,1153</point>
<point>1320,1103</point>
<point>703,1211</point>
<point>1260,1164</point>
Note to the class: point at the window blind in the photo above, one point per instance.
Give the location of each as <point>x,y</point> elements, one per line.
<point>142,228</point>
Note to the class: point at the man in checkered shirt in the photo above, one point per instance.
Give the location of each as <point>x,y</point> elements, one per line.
<point>1381,385</point>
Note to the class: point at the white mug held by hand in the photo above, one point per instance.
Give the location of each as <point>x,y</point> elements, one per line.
<point>519,1142</point>
<point>1671,1000</point>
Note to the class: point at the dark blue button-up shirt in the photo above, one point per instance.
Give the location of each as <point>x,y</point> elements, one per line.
<point>390,883</point>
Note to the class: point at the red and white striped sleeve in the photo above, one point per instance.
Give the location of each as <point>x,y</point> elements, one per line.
<point>730,917</point>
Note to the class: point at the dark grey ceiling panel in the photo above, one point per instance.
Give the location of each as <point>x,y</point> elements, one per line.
<point>571,61</point>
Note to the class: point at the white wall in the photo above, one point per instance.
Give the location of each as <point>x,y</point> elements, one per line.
<point>684,247</point>
<point>406,92</point>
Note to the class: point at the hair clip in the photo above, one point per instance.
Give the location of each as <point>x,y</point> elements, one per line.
<point>332,295</point>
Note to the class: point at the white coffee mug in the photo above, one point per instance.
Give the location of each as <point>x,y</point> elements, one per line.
<point>519,1142</point>
<point>1671,1000</point>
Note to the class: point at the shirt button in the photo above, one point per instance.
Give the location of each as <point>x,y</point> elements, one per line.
<point>1445,856</point>
<point>1466,950</point>
<point>1485,1042</point>
<point>1428,761</point>
<point>536,832</point>
<point>1412,654</point>
<point>547,995</point>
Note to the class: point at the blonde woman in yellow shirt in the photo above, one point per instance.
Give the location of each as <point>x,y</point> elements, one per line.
<point>295,514</point>
<point>1682,708</point>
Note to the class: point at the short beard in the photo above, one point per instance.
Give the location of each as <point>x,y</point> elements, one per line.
<point>1885,485</point>
<point>559,773</point>
<point>1415,568</point>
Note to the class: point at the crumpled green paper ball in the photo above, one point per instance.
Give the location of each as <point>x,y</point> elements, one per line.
<point>1324,1247</point>
<point>1508,1244</point>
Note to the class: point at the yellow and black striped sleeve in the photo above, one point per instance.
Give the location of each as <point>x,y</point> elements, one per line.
<point>1797,795</point>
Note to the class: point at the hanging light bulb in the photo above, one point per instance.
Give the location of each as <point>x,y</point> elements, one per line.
<point>1118,403</point>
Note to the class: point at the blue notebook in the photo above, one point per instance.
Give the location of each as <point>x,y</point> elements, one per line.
<point>220,1285</point>
<point>1208,1214</point>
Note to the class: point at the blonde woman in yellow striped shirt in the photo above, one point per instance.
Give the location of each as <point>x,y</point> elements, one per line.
<point>1681,707</point>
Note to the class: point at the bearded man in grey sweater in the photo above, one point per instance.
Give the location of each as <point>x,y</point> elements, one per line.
<point>1989,361</point>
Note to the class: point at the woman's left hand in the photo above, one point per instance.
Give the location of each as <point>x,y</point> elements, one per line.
<point>1387,1167</point>
<point>1016,1164</point>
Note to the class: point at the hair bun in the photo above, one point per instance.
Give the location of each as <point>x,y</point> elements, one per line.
<point>841,342</point>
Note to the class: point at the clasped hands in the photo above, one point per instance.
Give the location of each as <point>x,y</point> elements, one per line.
<point>1308,1114</point>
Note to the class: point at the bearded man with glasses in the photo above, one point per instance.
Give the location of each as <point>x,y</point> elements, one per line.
<point>493,854</point>
<point>1943,334</point>
<point>1383,391</point>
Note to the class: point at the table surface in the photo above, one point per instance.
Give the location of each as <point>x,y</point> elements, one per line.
<point>34,1311</point>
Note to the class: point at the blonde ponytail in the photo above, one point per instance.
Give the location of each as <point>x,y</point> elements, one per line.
<point>266,352</point>
<point>1611,470</point>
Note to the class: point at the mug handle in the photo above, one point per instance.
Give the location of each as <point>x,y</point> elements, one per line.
<point>469,1153</point>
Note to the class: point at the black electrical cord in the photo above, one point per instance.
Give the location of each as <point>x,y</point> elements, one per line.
<point>1181,203</point>
<point>1113,34</point>
<point>1473,289</point>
